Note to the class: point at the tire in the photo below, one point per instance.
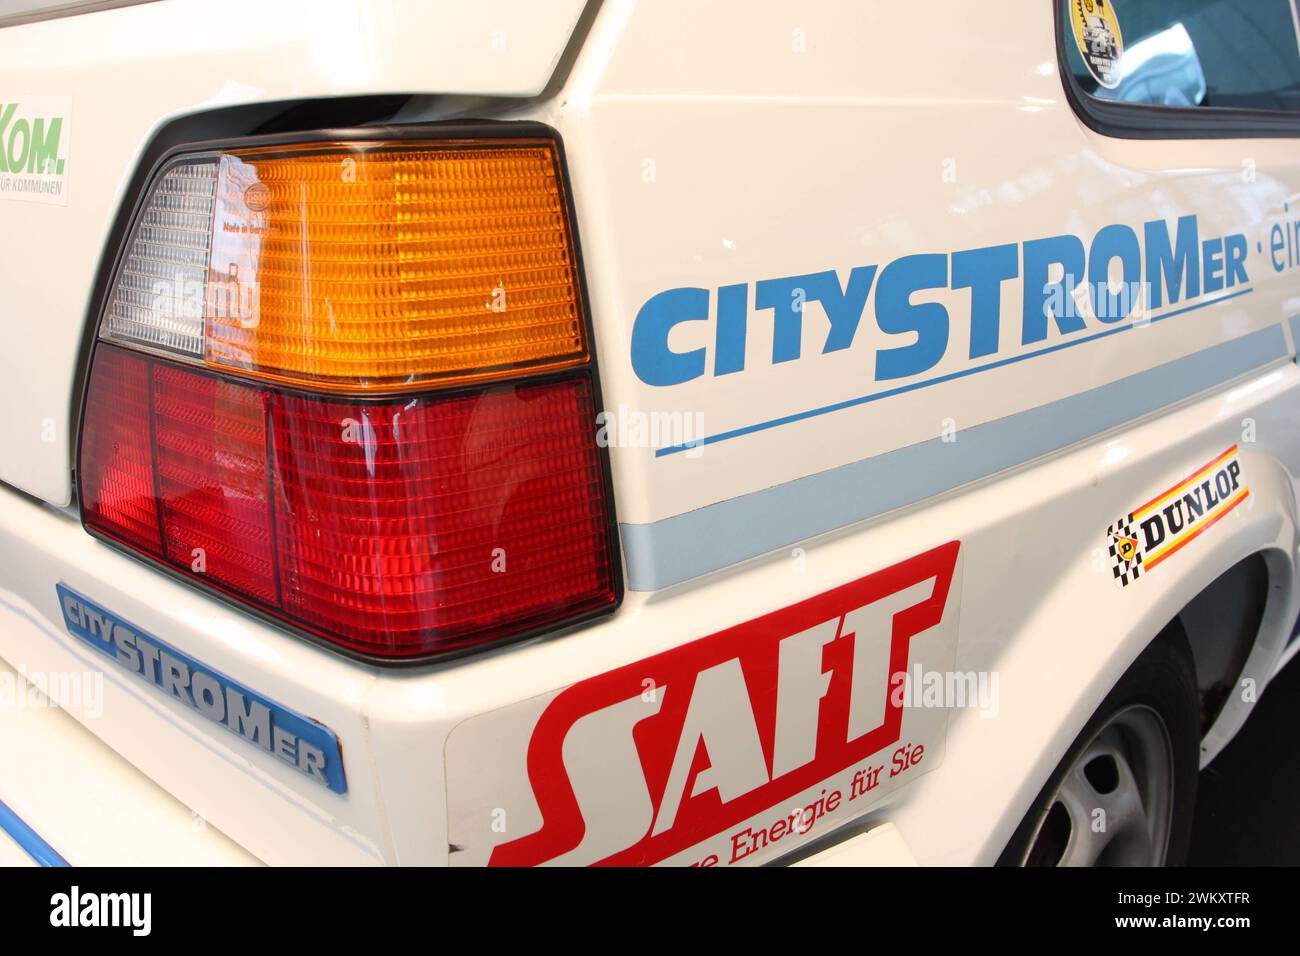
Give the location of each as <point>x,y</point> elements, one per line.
<point>1120,749</point>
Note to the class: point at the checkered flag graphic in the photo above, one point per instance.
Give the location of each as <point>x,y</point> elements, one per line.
<point>1125,552</point>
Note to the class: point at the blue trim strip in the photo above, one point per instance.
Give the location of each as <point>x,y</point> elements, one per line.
<point>29,839</point>
<point>688,545</point>
<point>890,393</point>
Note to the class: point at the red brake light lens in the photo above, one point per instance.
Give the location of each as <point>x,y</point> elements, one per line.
<point>451,517</point>
<point>398,528</point>
<point>214,497</point>
<point>116,450</point>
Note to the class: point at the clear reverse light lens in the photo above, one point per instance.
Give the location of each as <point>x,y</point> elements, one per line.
<point>159,298</point>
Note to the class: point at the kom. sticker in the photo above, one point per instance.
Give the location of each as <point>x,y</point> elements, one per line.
<point>1100,42</point>
<point>35,144</point>
<point>1147,536</point>
<point>733,748</point>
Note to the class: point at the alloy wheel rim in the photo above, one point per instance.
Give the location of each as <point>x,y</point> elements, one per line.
<point>1114,807</point>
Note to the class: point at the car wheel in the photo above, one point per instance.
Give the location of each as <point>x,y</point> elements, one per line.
<point>1125,792</point>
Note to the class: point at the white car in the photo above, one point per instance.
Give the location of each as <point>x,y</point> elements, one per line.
<point>631,432</point>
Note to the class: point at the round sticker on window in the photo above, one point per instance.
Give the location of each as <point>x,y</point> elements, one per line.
<point>1096,31</point>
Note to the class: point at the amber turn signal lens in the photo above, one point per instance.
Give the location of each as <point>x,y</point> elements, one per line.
<point>384,265</point>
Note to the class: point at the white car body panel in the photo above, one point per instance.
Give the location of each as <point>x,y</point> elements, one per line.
<point>12,854</point>
<point>89,797</point>
<point>879,846</point>
<point>706,146</point>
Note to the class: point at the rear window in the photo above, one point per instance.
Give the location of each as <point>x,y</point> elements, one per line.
<point>1227,54</point>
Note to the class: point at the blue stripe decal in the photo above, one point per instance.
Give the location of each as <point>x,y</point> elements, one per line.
<point>29,839</point>
<point>688,545</point>
<point>890,393</point>
<point>1295,334</point>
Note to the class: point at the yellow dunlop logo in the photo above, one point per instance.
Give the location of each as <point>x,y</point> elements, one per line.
<point>1153,532</point>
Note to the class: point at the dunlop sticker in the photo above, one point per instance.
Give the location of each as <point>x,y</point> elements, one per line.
<point>1147,536</point>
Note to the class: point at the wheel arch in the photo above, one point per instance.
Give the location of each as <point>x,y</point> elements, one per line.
<point>1253,601</point>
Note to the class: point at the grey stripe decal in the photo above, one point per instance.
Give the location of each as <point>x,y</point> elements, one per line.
<point>688,545</point>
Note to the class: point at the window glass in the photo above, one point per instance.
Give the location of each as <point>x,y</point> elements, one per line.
<point>1239,54</point>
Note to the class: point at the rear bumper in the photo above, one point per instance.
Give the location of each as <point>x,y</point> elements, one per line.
<point>191,775</point>
<point>118,772</point>
<point>23,839</point>
<point>12,854</point>
<point>68,798</point>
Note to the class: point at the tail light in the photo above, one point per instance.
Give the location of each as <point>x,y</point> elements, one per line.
<point>349,385</point>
